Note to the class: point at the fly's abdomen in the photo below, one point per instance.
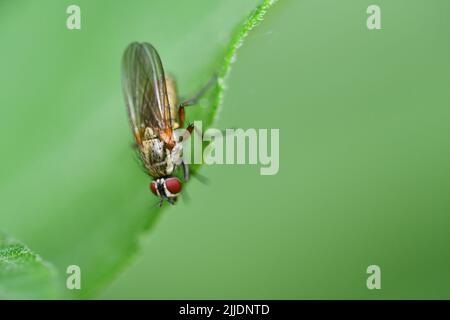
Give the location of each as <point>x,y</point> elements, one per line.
<point>155,158</point>
<point>173,101</point>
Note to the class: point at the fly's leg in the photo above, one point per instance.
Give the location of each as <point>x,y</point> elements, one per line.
<point>187,133</point>
<point>181,116</point>
<point>201,178</point>
<point>185,171</point>
<point>194,99</point>
<point>199,94</point>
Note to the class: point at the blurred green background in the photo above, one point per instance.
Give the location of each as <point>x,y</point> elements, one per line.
<point>364,150</point>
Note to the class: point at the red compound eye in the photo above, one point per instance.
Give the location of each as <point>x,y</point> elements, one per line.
<point>173,185</point>
<point>153,187</point>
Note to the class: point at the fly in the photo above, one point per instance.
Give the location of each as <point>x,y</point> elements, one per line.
<point>154,114</point>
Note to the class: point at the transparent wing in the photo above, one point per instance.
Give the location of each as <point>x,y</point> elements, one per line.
<point>144,88</point>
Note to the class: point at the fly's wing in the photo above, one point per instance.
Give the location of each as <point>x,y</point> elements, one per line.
<point>144,88</point>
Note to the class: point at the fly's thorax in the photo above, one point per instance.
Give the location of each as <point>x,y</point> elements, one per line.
<point>152,153</point>
<point>158,159</point>
<point>154,156</point>
<point>149,134</point>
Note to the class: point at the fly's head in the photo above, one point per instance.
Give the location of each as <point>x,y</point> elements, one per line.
<point>166,189</point>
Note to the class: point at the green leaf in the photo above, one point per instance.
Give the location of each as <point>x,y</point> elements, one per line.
<point>364,166</point>
<point>23,274</point>
<point>70,184</point>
